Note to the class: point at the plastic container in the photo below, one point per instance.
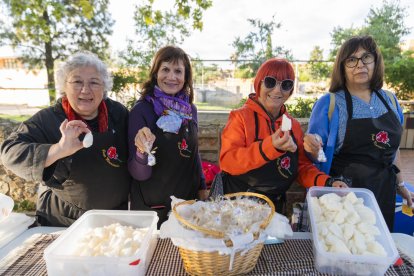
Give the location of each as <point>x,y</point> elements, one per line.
<point>6,206</point>
<point>59,254</point>
<point>348,264</point>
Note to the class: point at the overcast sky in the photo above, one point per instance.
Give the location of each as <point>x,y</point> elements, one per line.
<point>305,23</point>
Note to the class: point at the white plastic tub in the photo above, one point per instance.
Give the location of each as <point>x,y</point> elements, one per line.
<point>59,254</point>
<point>348,264</point>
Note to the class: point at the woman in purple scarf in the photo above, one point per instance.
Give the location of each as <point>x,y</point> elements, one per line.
<point>162,137</point>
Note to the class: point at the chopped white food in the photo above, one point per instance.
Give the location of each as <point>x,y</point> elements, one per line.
<point>366,214</point>
<point>87,140</point>
<point>346,225</point>
<point>286,123</point>
<point>113,240</point>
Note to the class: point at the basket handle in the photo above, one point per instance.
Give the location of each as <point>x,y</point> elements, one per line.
<point>219,234</point>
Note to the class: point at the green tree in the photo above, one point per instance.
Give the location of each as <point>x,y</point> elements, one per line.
<point>203,74</point>
<point>386,25</point>
<point>48,30</point>
<point>155,29</point>
<point>319,69</point>
<point>339,35</point>
<point>399,74</point>
<point>256,47</point>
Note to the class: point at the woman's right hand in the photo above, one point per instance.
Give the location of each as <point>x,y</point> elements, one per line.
<point>312,144</point>
<point>143,137</point>
<point>69,143</point>
<point>284,142</point>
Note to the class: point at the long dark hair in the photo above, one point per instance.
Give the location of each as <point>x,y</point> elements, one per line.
<point>169,54</point>
<point>349,47</point>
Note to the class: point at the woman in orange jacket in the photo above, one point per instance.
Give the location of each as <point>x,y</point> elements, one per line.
<point>256,155</point>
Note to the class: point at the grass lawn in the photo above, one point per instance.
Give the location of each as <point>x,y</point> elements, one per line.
<point>18,118</point>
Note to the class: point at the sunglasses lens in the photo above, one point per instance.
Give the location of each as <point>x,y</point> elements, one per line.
<point>269,82</point>
<point>287,85</point>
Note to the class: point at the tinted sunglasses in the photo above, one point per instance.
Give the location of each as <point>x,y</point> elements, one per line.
<point>285,85</point>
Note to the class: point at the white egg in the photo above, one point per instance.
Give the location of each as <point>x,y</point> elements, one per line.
<point>87,140</point>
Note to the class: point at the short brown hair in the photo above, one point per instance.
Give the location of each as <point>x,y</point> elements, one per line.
<point>349,47</point>
<point>169,54</point>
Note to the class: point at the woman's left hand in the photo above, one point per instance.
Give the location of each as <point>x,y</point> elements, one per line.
<point>203,194</point>
<point>406,194</point>
<point>339,184</point>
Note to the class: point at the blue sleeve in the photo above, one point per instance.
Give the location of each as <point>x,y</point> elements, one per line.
<point>399,110</point>
<point>320,124</point>
<point>319,121</point>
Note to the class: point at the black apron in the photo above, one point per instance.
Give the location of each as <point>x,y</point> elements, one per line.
<point>272,179</point>
<point>176,172</point>
<point>98,179</point>
<point>367,155</point>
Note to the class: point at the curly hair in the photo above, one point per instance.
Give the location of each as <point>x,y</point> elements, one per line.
<point>83,59</point>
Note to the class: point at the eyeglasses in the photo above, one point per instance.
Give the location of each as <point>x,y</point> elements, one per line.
<point>271,82</point>
<point>78,85</point>
<point>366,58</point>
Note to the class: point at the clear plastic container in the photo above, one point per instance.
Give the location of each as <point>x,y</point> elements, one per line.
<point>348,264</point>
<point>59,254</point>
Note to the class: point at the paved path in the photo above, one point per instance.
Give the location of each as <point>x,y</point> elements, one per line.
<point>407,160</point>
<point>18,109</point>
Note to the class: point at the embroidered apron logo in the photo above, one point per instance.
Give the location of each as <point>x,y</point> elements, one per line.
<point>110,156</point>
<point>381,139</point>
<point>283,166</point>
<point>183,147</point>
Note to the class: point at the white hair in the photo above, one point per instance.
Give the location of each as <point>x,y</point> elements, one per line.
<point>83,59</point>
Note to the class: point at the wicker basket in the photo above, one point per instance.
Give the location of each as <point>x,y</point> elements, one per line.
<point>213,263</point>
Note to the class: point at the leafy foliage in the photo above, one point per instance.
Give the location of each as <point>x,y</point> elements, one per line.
<point>155,29</point>
<point>319,70</point>
<point>400,73</point>
<point>386,25</point>
<point>24,206</point>
<point>299,108</point>
<point>49,30</point>
<point>256,47</point>
<point>125,80</point>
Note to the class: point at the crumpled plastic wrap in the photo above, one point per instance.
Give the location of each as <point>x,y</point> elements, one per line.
<point>181,236</point>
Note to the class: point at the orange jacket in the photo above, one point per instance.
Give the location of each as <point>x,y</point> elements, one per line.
<point>240,153</point>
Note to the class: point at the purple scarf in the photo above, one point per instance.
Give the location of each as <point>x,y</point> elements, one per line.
<point>163,102</point>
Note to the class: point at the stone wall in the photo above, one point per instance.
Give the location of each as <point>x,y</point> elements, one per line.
<point>10,184</point>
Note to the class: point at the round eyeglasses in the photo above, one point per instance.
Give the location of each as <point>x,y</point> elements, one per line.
<point>366,58</point>
<point>271,82</point>
<point>78,85</point>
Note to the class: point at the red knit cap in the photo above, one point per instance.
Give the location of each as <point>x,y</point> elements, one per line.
<point>278,68</point>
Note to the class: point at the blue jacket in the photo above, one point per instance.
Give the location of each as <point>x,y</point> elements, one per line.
<point>328,129</point>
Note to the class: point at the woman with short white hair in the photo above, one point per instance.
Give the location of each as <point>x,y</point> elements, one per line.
<point>76,174</point>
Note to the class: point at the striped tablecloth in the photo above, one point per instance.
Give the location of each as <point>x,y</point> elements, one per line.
<point>293,257</point>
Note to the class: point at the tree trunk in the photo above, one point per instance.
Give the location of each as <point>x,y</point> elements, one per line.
<point>50,72</point>
<point>49,62</point>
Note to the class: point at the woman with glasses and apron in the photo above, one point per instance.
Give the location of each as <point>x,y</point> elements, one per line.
<point>361,137</point>
<point>256,155</point>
